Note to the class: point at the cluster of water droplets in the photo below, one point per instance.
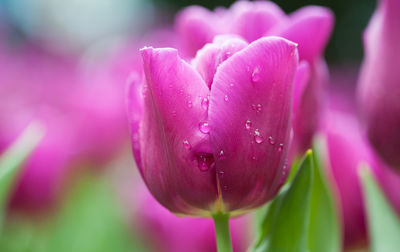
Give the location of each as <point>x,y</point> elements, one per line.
<point>259,138</point>
<point>256,107</point>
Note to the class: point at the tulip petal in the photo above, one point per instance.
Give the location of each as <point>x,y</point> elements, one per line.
<point>310,27</point>
<point>251,100</point>
<point>212,55</point>
<point>252,20</point>
<point>134,103</point>
<point>175,153</point>
<point>300,82</point>
<point>196,26</point>
<point>379,88</point>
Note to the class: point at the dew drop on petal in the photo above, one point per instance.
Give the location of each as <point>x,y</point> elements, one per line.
<point>271,140</point>
<point>187,145</point>
<point>144,90</point>
<point>231,84</point>
<point>258,137</point>
<point>221,155</point>
<point>248,124</point>
<point>204,103</point>
<point>255,76</point>
<point>189,104</point>
<point>204,128</point>
<point>173,113</point>
<point>205,161</point>
<point>259,107</point>
<point>221,174</point>
<point>280,147</point>
<point>226,98</point>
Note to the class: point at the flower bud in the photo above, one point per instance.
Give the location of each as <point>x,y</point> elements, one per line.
<point>213,136</point>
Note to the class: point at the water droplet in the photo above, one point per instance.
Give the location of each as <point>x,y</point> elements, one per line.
<point>187,145</point>
<point>255,76</point>
<point>221,155</point>
<point>248,124</point>
<point>254,158</point>
<point>258,137</point>
<point>221,174</point>
<point>144,90</point>
<point>173,113</point>
<point>231,84</point>
<point>259,107</point>
<point>204,128</point>
<point>271,140</point>
<point>284,169</point>
<point>189,104</point>
<point>205,161</point>
<point>280,147</point>
<point>226,98</point>
<point>204,103</point>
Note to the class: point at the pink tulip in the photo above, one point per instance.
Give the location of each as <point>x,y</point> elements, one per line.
<point>347,150</point>
<point>309,27</point>
<point>169,233</point>
<point>204,147</point>
<point>379,84</point>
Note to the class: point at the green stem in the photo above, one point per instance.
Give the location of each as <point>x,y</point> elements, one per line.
<point>221,221</point>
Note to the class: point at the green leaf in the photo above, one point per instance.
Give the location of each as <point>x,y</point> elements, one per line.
<point>285,226</point>
<point>325,229</point>
<point>383,223</point>
<point>13,158</point>
<point>91,221</point>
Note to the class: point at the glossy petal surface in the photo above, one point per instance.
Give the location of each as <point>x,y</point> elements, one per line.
<point>249,163</point>
<point>177,164</point>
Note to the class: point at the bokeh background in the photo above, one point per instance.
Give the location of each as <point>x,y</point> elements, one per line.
<point>72,56</point>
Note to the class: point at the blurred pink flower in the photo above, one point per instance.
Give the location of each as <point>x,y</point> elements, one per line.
<point>204,146</point>
<point>85,120</point>
<point>348,148</point>
<point>310,27</point>
<point>379,84</point>
<point>166,232</point>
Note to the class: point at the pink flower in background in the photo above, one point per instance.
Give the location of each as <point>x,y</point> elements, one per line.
<point>379,83</point>
<point>204,146</point>
<point>166,232</point>
<point>347,150</point>
<point>310,27</point>
<point>85,119</point>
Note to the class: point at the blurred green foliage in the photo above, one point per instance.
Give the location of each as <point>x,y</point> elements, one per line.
<point>90,220</point>
<point>351,19</point>
<point>383,223</point>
